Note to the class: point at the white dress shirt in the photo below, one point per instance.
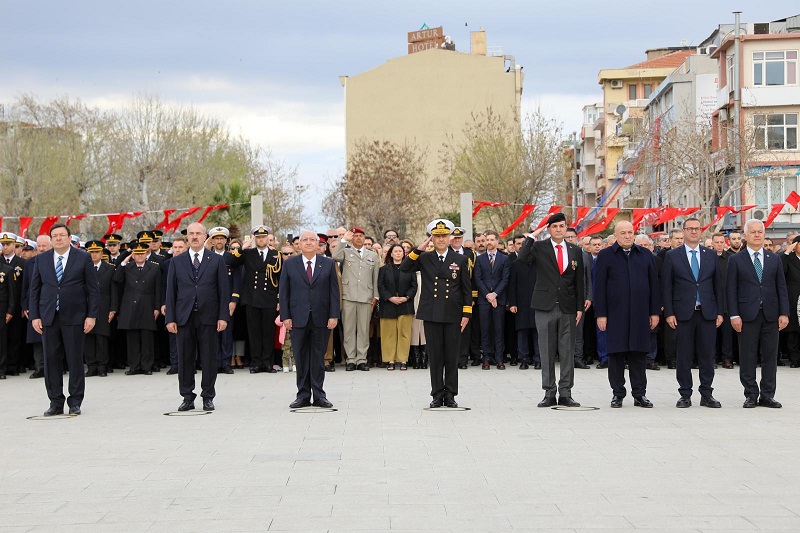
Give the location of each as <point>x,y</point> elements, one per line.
<point>63,256</point>
<point>564,254</point>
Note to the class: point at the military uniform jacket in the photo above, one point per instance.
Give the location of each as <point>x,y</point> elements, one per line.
<point>141,295</point>
<point>446,294</point>
<point>17,265</point>
<point>471,260</point>
<point>359,273</point>
<point>8,295</point>
<point>109,293</point>
<point>258,284</point>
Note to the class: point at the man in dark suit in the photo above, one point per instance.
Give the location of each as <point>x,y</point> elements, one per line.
<point>445,306</point>
<point>197,309</point>
<point>64,300</point>
<point>522,280</point>
<point>260,278</point>
<point>758,304</point>
<point>309,294</point>
<point>7,303</point>
<point>139,308</point>
<point>558,300</point>
<point>725,344</point>
<point>692,288</point>
<point>15,328</point>
<point>572,238</point>
<point>627,303</point>
<point>491,279</point>
<point>465,345</point>
<point>218,238</point>
<point>96,349</point>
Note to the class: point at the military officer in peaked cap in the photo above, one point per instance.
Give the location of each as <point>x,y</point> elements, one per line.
<point>456,243</point>
<point>259,294</point>
<point>218,237</point>
<point>157,246</point>
<point>113,243</point>
<point>445,307</point>
<point>95,349</point>
<point>147,238</point>
<point>15,328</point>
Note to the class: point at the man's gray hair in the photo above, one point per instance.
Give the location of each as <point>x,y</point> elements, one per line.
<point>751,222</point>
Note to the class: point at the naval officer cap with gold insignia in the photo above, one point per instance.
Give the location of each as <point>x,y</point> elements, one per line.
<point>458,231</point>
<point>8,237</point>
<point>219,231</point>
<point>261,229</point>
<point>440,226</point>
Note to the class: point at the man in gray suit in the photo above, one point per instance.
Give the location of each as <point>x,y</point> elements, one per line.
<point>360,267</point>
<point>572,238</point>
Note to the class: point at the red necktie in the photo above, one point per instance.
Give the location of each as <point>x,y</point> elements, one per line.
<point>560,259</point>
<point>308,272</point>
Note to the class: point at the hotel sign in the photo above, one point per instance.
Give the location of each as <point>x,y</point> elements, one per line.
<point>425,39</point>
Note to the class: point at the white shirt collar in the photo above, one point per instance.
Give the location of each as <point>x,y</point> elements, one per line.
<point>192,252</point>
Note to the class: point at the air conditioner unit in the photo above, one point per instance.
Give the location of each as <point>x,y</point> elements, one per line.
<point>723,114</point>
<point>616,84</point>
<point>760,214</point>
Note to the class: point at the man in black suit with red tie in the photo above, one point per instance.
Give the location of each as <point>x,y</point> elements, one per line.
<point>758,304</point>
<point>692,290</point>
<point>197,309</point>
<point>309,295</point>
<point>558,300</point>
<point>64,298</point>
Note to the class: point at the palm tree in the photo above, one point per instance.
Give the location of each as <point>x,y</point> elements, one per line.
<point>237,195</point>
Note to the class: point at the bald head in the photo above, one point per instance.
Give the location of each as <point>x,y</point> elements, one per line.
<point>623,231</point>
<point>43,243</point>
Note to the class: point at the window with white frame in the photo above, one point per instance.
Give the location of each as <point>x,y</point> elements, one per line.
<point>773,189</point>
<point>775,68</point>
<point>776,131</point>
<point>729,62</point>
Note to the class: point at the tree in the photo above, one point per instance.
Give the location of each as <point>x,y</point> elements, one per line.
<point>498,159</point>
<point>384,187</point>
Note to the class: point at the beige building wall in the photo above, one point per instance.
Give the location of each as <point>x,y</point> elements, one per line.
<point>427,96</point>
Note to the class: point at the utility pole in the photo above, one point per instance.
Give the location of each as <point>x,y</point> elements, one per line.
<point>737,107</point>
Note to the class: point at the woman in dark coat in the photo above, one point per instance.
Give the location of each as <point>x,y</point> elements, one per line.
<point>396,308</point>
<point>791,269</point>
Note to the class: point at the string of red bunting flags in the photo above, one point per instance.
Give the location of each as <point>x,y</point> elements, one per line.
<point>117,220</point>
<point>652,216</point>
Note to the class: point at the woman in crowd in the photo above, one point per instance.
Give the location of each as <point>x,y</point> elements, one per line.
<point>397,290</point>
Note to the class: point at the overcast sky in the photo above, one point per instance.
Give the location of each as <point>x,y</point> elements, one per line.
<point>270,69</point>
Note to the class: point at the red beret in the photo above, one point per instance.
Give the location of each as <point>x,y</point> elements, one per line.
<point>357,230</point>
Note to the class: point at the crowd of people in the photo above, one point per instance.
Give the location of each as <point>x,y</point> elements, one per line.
<point>318,301</point>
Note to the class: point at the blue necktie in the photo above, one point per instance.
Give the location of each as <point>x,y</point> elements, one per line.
<point>59,275</point>
<point>757,265</point>
<point>695,270</point>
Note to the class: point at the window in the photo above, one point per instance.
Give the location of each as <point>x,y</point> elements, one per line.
<point>729,61</point>
<point>631,92</point>
<point>648,90</point>
<point>773,189</point>
<point>775,68</point>
<point>776,132</point>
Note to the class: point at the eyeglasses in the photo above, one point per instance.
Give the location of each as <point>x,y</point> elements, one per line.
<point>235,248</point>
<point>333,236</point>
<point>698,228</point>
<point>391,236</point>
<point>286,253</point>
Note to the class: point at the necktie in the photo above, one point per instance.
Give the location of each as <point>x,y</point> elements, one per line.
<point>758,267</point>
<point>262,255</point>
<point>196,262</point>
<point>59,275</point>
<point>441,259</point>
<point>695,271</point>
<point>309,275</point>
<point>627,252</point>
<point>359,254</point>
<point>560,259</point>
<point>491,261</point>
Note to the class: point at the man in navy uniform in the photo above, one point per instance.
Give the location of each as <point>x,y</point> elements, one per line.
<point>15,328</point>
<point>219,244</point>
<point>445,307</point>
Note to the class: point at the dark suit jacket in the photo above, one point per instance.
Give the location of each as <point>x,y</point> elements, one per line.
<point>680,289</point>
<point>446,294</point>
<point>18,268</point>
<point>388,289</point>
<point>108,299</point>
<point>520,291</point>
<point>259,280</point>
<point>746,294</point>
<point>553,288</point>
<point>791,270</point>
<point>141,295</point>
<point>210,290</point>
<point>8,295</point>
<point>78,291</point>
<point>301,299</point>
<point>488,279</point>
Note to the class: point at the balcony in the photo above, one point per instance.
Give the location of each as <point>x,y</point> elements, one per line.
<point>599,152</point>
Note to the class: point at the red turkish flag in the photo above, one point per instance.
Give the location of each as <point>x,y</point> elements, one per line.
<point>24,222</point>
<point>776,210</point>
<point>209,209</point>
<point>639,213</point>
<point>48,222</point>
<point>526,210</point>
<point>793,199</point>
<point>552,211</point>
<point>611,212</point>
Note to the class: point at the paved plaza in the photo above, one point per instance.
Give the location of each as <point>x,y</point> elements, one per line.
<point>383,462</point>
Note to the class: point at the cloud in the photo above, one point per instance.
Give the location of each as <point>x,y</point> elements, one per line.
<point>564,108</point>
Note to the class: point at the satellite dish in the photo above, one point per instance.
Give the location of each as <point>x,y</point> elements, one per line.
<point>619,110</point>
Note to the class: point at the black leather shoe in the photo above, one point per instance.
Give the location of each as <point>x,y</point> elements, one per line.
<point>709,401</point>
<point>653,366</point>
<point>462,366</point>
<point>501,366</point>
<point>514,361</point>
<point>298,404</point>
<point>581,364</point>
<point>363,367</point>
<point>227,370</point>
<point>548,401</point>
<point>330,368</point>
<point>537,366</point>
<point>74,410</point>
<point>90,373</point>
<point>147,373</point>
<point>131,372</point>
<point>53,411</point>
<point>172,371</point>
<point>2,376</point>
<point>671,366</point>
<point>616,402</point>
<point>750,403</point>
<point>476,362</point>
<point>602,365</point>
<point>208,404</point>
<point>186,405</point>
<point>37,374</point>
<point>642,401</point>
<point>102,374</point>
<point>727,364</point>
<point>255,370</point>
<point>684,402</point>
<point>567,401</point>
<point>323,402</point>
<point>268,369</point>
<point>350,367</point>
<point>769,402</point>
<point>793,365</point>
<point>524,366</point>
<point>449,401</point>
<point>485,365</point>
<point>437,402</point>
